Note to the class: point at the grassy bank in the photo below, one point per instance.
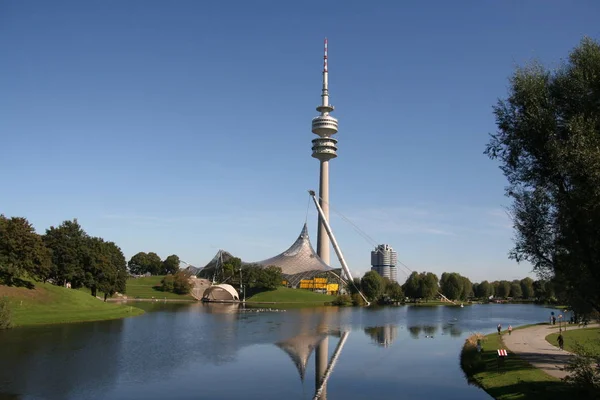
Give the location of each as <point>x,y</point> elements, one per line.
<point>514,379</point>
<point>290,296</point>
<point>49,304</point>
<point>588,339</point>
<point>149,287</point>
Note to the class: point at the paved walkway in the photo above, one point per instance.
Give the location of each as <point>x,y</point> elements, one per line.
<point>530,344</point>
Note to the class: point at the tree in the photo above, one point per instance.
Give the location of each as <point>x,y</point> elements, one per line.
<point>105,267</point>
<point>143,263</point>
<point>115,278</point>
<point>467,288</point>
<point>428,285</point>
<point>548,145</point>
<point>452,286</point>
<point>412,285</point>
<point>171,264</point>
<point>484,290</point>
<point>515,290</point>
<point>527,288</point>
<point>67,243</point>
<point>22,251</point>
<point>372,285</point>
<point>395,292</point>
<point>138,264</point>
<point>503,289</point>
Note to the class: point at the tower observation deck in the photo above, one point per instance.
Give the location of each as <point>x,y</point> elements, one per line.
<point>324,125</point>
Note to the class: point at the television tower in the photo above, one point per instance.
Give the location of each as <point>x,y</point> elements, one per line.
<point>324,149</point>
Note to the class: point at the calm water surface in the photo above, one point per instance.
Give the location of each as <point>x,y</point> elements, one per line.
<point>200,351</point>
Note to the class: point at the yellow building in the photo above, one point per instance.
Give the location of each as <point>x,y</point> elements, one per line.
<point>319,284</point>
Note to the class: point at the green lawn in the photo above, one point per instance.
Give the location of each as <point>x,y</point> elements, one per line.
<point>515,379</point>
<point>287,295</point>
<point>49,304</point>
<point>147,288</point>
<point>588,338</point>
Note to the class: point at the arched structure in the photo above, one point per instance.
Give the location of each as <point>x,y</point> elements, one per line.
<point>222,292</point>
<point>299,261</point>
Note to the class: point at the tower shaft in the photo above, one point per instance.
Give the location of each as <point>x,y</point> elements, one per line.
<point>322,237</point>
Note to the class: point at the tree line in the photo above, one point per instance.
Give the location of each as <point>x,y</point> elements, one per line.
<point>63,254</point>
<point>67,255</point>
<point>427,286</point>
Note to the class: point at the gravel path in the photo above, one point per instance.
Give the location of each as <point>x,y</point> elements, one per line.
<point>530,344</point>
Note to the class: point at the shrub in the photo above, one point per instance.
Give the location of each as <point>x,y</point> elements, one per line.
<point>471,360</point>
<point>357,300</point>
<point>167,283</point>
<point>342,300</point>
<point>584,371</point>
<point>5,314</point>
<point>181,283</point>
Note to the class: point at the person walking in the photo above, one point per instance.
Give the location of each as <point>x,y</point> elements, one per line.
<point>509,330</point>
<point>561,341</point>
<point>499,328</point>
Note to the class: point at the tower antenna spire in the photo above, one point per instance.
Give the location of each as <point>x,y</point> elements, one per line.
<point>325,57</point>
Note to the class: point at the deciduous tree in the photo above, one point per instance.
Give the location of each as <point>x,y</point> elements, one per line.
<point>22,251</point>
<point>548,146</point>
<point>67,243</point>
<point>171,264</point>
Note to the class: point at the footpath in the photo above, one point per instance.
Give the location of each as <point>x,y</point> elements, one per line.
<point>530,345</point>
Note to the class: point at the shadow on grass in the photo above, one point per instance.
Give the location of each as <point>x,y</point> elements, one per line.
<point>17,282</point>
<point>555,390</point>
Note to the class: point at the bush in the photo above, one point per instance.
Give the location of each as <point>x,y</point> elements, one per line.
<point>584,371</point>
<point>471,360</point>
<point>181,283</point>
<point>167,283</point>
<point>357,300</point>
<point>5,314</point>
<point>342,300</point>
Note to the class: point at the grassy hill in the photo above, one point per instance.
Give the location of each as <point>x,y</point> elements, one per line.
<point>287,295</point>
<point>148,288</point>
<point>49,304</point>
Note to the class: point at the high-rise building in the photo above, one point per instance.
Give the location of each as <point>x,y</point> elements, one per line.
<point>324,149</point>
<point>383,261</point>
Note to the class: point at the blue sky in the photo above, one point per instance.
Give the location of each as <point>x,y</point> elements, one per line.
<point>184,127</point>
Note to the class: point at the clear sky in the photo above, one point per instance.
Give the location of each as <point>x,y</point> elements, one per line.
<point>184,126</point>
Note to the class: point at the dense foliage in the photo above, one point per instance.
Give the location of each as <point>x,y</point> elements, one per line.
<point>22,251</point>
<point>423,285</point>
<point>178,283</point>
<point>5,314</point>
<point>548,146</point>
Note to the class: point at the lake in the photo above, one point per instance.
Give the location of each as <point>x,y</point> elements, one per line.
<point>213,351</point>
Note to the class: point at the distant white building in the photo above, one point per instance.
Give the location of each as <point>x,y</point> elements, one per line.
<point>383,261</point>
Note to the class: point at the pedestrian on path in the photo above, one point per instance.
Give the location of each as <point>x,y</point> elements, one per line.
<point>499,328</point>
<point>561,341</point>
<point>509,330</point>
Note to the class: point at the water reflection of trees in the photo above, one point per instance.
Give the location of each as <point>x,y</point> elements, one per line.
<point>382,335</point>
<point>453,329</point>
<point>428,330</point>
<point>59,361</point>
